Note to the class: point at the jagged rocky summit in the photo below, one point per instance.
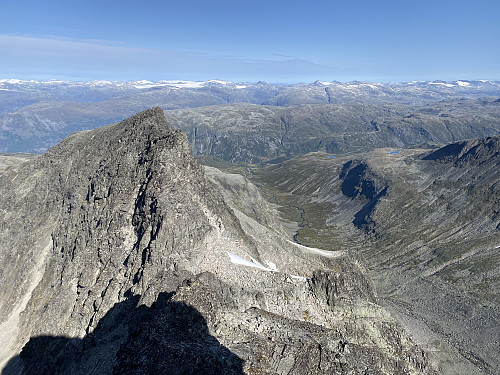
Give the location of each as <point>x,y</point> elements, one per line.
<point>119,255</point>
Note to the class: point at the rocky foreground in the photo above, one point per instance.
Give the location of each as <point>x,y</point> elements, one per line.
<point>119,256</point>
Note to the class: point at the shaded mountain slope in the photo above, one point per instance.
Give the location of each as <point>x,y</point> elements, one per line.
<point>119,256</point>
<point>441,226</point>
<point>425,224</point>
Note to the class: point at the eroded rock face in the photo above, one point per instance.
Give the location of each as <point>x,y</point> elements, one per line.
<point>118,256</point>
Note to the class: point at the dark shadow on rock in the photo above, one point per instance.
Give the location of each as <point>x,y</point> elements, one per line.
<point>359,182</point>
<point>446,153</point>
<point>356,182</point>
<point>363,218</point>
<point>166,338</point>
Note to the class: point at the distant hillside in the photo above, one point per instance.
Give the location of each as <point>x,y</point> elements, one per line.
<point>256,133</point>
<point>35,115</point>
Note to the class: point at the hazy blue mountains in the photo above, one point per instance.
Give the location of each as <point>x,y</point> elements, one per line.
<point>35,115</point>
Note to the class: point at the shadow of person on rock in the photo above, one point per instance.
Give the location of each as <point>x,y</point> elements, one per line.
<point>167,338</point>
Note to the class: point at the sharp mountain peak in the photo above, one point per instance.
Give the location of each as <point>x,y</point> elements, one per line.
<point>118,228</point>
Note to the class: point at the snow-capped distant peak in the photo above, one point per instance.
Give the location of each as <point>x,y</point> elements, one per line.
<point>463,83</point>
<point>180,84</point>
<point>55,82</point>
<point>219,82</point>
<point>442,84</point>
<point>102,83</point>
<point>183,84</point>
<point>371,85</point>
<point>324,83</point>
<point>11,81</point>
<point>143,82</point>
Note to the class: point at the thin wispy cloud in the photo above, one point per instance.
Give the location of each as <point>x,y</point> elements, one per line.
<point>281,55</point>
<point>272,41</point>
<point>95,59</point>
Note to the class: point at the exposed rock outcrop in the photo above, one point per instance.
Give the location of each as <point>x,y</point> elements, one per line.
<point>117,256</point>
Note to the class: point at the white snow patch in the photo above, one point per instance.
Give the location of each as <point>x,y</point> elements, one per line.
<point>236,259</point>
<point>325,83</point>
<point>101,83</point>
<point>198,84</point>
<point>143,82</point>
<point>271,265</point>
<point>184,84</point>
<point>54,82</point>
<point>148,86</point>
<point>12,81</point>
<point>332,254</point>
<point>218,81</point>
<point>369,85</point>
<point>301,278</point>
<point>442,84</point>
<point>463,84</point>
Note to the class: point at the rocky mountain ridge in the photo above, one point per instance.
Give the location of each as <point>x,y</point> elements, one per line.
<point>119,256</point>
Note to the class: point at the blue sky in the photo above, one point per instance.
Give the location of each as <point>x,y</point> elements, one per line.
<point>274,41</point>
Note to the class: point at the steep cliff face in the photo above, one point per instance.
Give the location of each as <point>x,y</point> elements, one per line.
<point>105,214</point>
<point>118,256</point>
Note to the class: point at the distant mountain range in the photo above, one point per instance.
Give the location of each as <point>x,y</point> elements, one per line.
<point>35,115</point>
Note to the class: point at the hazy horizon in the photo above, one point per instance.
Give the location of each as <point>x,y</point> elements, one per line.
<point>279,41</point>
<point>56,80</point>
